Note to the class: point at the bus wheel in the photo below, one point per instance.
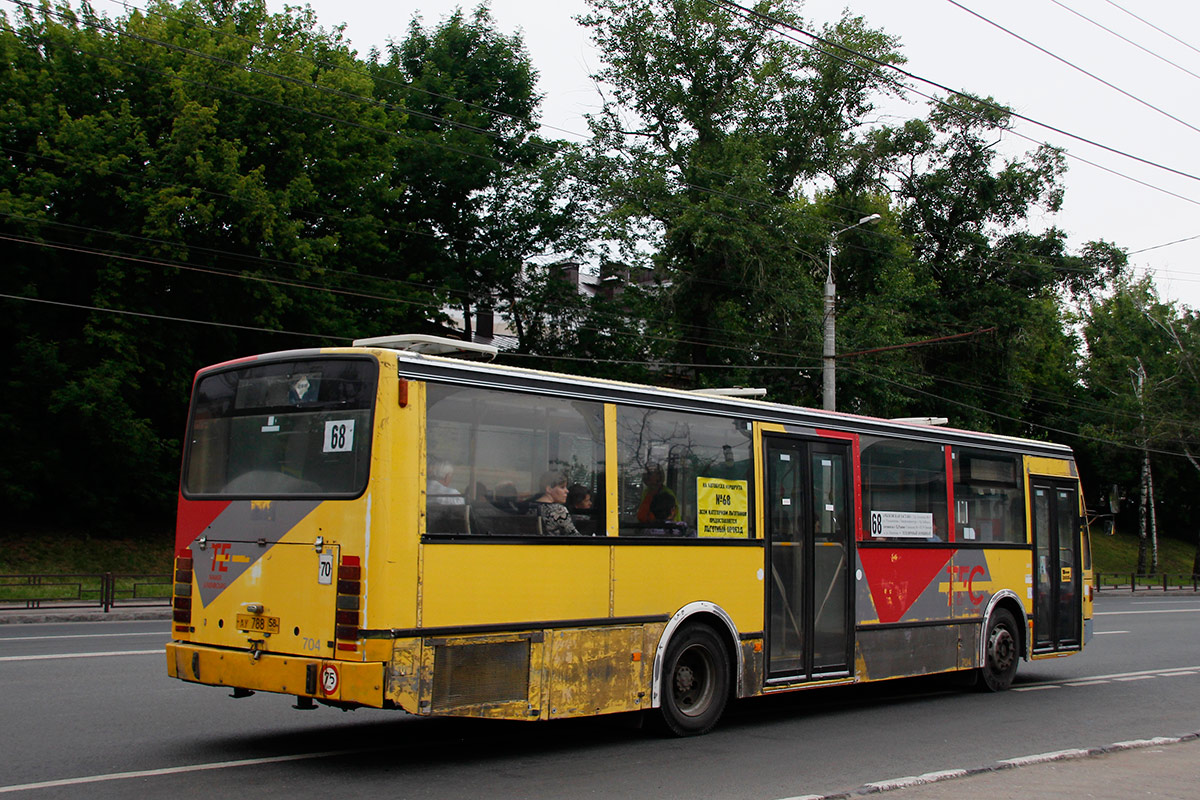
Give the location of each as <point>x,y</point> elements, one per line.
<point>695,682</point>
<point>1002,652</point>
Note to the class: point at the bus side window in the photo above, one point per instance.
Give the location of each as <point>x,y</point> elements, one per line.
<point>501,442</point>
<point>989,503</point>
<point>904,489</point>
<point>684,474</point>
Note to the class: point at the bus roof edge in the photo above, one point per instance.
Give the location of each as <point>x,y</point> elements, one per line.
<point>432,345</point>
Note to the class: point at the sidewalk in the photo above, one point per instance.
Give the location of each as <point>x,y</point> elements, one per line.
<point>1166,768</point>
<point>35,615</point>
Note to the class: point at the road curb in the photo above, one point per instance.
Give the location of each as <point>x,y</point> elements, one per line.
<point>1010,763</point>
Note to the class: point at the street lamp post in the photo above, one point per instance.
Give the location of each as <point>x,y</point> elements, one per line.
<point>829,351</point>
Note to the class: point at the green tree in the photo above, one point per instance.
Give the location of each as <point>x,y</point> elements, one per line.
<point>964,209</point>
<point>475,205</point>
<point>1142,413</point>
<point>714,128</point>
<point>179,184</point>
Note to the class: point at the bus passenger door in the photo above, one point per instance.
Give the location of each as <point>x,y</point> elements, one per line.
<point>1057,599</point>
<point>809,532</point>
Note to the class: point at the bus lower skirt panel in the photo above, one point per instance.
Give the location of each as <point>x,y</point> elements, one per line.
<point>894,652</point>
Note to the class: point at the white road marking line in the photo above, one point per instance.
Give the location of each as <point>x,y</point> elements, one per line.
<point>79,636</point>
<point>1154,611</point>
<point>1118,675</point>
<point>150,773</point>
<point>1098,679</point>
<point>1108,633</point>
<point>160,651</point>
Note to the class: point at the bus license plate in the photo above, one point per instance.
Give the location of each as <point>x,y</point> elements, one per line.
<point>256,623</point>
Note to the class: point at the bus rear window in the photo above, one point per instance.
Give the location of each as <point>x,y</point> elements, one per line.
<point>282,429</point>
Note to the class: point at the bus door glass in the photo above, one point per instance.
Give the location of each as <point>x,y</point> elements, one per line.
<point>808,530</point>
<point>1057,569</point>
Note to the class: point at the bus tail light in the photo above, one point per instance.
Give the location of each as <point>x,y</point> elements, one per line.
<point>349,604</point>
<point>181,598</point>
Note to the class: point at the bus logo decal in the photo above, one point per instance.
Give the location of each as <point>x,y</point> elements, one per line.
<point>238,537</point>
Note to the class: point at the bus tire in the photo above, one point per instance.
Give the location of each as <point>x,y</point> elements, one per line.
<point>1001,652</point>
<point>695,683</point>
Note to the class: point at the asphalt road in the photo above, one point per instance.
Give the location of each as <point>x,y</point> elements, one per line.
<point>88,710</point>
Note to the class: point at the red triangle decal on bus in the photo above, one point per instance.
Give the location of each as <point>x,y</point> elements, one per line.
<point>897,578</point>
<point>193,519</point>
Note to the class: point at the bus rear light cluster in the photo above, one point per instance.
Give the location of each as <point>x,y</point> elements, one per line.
<point>349,604</point>
<point>181,600</point>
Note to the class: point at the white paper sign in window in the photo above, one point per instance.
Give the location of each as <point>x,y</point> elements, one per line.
<point>339,436</point>
<point>902,524</point>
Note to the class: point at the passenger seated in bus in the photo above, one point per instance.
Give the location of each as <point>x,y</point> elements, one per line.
<point>579,503</point>
<point>505,498</point>
<point>579,499</point>
<point>438,489</point>
<point>550,507</point>
<point>658,502</point>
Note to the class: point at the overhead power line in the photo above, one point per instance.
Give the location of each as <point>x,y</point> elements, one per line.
<point>1152,25</point>
<point>166,318</point>
<point>1125,39</point>
<point>776,23</point>
<point>1075,66</point>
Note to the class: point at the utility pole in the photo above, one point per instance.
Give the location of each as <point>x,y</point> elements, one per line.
<point>829,350</point>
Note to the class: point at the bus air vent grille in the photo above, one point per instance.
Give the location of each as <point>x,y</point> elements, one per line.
<point>477,674</point>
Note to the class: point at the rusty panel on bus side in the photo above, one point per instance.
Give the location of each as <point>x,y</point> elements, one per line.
<point>499,676</point>
<point>651,580</point>
<point>489,584</point>
<point>895,652</point>
<point>597,671</point>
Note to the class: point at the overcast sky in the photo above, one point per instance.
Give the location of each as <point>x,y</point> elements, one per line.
<point>950,46</point>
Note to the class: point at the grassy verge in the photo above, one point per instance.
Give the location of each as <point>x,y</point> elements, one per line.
<point>46,552</point>
<point>66,552</point>
<point>1118,553</point>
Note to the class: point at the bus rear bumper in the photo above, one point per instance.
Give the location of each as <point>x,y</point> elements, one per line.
<point>350,682</point>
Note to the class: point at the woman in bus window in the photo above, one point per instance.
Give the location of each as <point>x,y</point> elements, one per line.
<point>551,507</point>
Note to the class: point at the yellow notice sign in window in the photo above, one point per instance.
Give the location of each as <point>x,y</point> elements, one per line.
<point>722,508</point>
<point>1066,574</point>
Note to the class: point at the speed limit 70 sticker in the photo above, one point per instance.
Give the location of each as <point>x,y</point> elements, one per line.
<point>329,679</point>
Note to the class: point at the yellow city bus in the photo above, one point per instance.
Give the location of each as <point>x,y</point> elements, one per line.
<point>370,526</point>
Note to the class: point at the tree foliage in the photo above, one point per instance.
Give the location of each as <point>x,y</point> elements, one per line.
<point>1143,404</point>
<point>715,124</point>
<point>204,179</point>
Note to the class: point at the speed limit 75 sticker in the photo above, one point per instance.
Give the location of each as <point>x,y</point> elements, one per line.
<point>329,679</point>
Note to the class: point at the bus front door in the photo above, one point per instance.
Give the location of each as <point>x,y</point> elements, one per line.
<point>1057,599</point>
<point>809,533</point>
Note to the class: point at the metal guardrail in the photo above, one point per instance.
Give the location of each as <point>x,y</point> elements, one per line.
<point>104,591</point>
<point>1132,582</point>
